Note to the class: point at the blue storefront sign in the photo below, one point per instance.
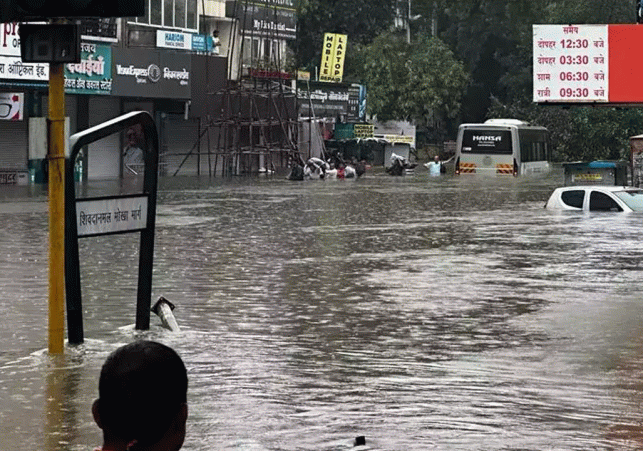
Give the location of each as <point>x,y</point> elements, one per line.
<point>200,43</point>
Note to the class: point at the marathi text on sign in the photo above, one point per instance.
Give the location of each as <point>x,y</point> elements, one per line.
<point>105,216</point>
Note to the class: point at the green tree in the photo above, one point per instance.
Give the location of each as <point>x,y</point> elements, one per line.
<point>589,11</point>
<point>493,38</point>
<point>421,82</point>
<point>601,133</point>
<point>580,133</point>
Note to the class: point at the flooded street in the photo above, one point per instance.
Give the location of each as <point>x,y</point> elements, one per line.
<point>424,314</point>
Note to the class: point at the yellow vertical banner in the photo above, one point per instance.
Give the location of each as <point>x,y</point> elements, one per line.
<point>333,54</point>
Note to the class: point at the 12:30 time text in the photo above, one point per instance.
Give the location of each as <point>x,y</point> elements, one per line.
<point>574,43</point>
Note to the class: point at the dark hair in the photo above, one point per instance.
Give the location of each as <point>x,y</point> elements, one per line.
<point>141,389</point>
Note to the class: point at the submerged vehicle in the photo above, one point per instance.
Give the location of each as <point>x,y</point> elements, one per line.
<point>502,147</point>
<point>596,198</point>
<point>400,165</point>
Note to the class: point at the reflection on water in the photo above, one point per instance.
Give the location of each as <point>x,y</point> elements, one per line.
<point>450,313</point>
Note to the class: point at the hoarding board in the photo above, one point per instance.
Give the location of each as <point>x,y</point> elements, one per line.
<point>93,75</point>
<point>151,73</point>
<point>275,19</point>
<point>333,54</point>
<point>581,64</point>
<point>570,63</point>
<point>325,99</point>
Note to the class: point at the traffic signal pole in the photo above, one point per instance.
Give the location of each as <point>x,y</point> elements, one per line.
<point>57,44</point>
<point>56,160</point>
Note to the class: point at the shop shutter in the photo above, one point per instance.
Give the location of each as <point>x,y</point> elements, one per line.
<point>180,137</point>
<point>14,142</point>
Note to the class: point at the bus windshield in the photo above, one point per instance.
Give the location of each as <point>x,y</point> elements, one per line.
<point>486,141</point>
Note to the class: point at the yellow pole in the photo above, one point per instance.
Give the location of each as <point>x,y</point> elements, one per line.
<point>56,157</point>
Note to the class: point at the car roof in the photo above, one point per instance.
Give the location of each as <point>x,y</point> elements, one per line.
<point>610,188</point>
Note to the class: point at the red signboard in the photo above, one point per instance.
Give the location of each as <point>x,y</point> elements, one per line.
<point>626,64</point>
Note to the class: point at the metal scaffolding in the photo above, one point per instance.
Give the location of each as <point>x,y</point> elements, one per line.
<point>251,125</point>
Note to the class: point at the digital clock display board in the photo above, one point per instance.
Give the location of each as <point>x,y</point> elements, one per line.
<point>587,64</point>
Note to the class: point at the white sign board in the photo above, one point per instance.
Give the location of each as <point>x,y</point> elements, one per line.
<point>570,63</point>
<point>173,40</point>
<point>104,216</point>
<point>11,65</point>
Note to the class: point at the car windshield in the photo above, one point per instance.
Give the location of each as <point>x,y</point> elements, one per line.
<point>632,198</point>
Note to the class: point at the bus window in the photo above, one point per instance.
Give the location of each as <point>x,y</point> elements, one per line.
<point>533,146</point>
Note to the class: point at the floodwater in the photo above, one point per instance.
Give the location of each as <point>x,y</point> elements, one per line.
<point>423,314</point>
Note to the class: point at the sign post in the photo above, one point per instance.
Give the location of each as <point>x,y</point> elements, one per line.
<point>89,217</point>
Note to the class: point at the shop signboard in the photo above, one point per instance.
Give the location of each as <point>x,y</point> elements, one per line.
<point>326,100</point>
<point>364,130</point>
<point>333,54</point>
<point>11,65</point>
<point>356,102</point>
<point>200,42</point>
<point>12,106</point>
<point>276,19</point>
<point>93,75</point>
<point>173,40</point>
<point>151,73</point>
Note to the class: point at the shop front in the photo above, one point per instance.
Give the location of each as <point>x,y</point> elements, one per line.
<point>160,80</point>
<point>20,83</point>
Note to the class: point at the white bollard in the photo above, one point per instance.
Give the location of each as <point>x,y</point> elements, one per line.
<point>163,309</point>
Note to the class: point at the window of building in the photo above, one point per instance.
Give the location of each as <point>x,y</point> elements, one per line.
<point>251,50</point>
<point>170,13</point>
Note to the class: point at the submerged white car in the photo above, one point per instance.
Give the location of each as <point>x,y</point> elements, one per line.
<point>596,198</point>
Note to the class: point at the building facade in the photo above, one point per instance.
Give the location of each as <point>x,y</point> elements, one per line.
<point>169,62</point>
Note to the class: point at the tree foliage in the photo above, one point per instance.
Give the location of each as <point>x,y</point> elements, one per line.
<point>421,81</point>
<point>493,41</point>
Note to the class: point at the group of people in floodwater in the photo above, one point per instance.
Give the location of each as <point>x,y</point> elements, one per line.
<point>399,165</point>
<point>334,168</point>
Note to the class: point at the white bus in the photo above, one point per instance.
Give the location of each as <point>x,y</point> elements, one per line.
<point>502,147</point>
